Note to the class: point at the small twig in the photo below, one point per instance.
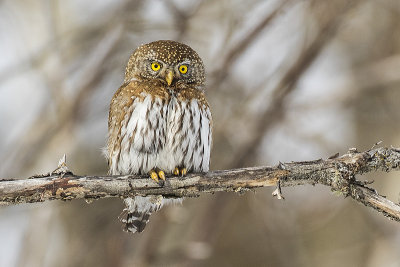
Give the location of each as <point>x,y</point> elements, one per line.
<point>61,169</point>
<point>376,144</point>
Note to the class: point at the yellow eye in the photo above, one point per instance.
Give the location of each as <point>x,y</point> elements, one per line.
<point>155,66</point>
<point>183,69</point>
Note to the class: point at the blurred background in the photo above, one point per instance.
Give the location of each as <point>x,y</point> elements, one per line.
<point>287,81</point>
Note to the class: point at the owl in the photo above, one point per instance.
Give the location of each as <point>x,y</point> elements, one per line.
<point>159,122</point>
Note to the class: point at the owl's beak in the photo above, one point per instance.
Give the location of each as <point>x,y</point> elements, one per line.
<point>169,77</point>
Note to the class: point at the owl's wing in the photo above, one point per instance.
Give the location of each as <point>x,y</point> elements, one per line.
<point>136,121</point>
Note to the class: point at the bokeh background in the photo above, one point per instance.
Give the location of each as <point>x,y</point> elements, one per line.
<point>287,81</point>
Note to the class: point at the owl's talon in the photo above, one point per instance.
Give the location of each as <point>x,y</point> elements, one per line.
<point>153,175</point>
<point>183,171</point>
<point>161,175</point>
<point>156,175</point>
<point>180,171</point>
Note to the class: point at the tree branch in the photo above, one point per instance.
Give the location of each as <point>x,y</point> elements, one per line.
<point>336,172</point>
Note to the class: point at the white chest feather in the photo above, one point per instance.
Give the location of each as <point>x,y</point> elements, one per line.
<point>164,135</point>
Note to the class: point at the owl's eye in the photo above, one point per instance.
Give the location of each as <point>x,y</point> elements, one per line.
<point>155,66</point>
<point>183,69</point>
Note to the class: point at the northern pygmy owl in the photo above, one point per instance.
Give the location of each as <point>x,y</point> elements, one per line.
<point>159,122</point>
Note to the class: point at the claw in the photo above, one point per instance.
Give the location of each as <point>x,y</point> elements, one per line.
<point>157,174</point>
<point>183,171</point>
<point>180,171</point>
<point>153,175</point>
<point>161,175</point>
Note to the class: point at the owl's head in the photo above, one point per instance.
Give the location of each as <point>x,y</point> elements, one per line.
<point>171,62</point>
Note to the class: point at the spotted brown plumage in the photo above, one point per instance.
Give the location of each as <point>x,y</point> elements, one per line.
<point>159,122</point>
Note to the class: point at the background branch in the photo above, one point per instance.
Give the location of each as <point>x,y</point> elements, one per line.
<point>337,172</point>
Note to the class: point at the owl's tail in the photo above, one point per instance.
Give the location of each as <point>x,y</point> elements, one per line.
<point>138,211</point>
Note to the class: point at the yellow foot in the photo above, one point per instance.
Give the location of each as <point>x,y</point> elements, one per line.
<point>180,171</point>
<point>156,175</point>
